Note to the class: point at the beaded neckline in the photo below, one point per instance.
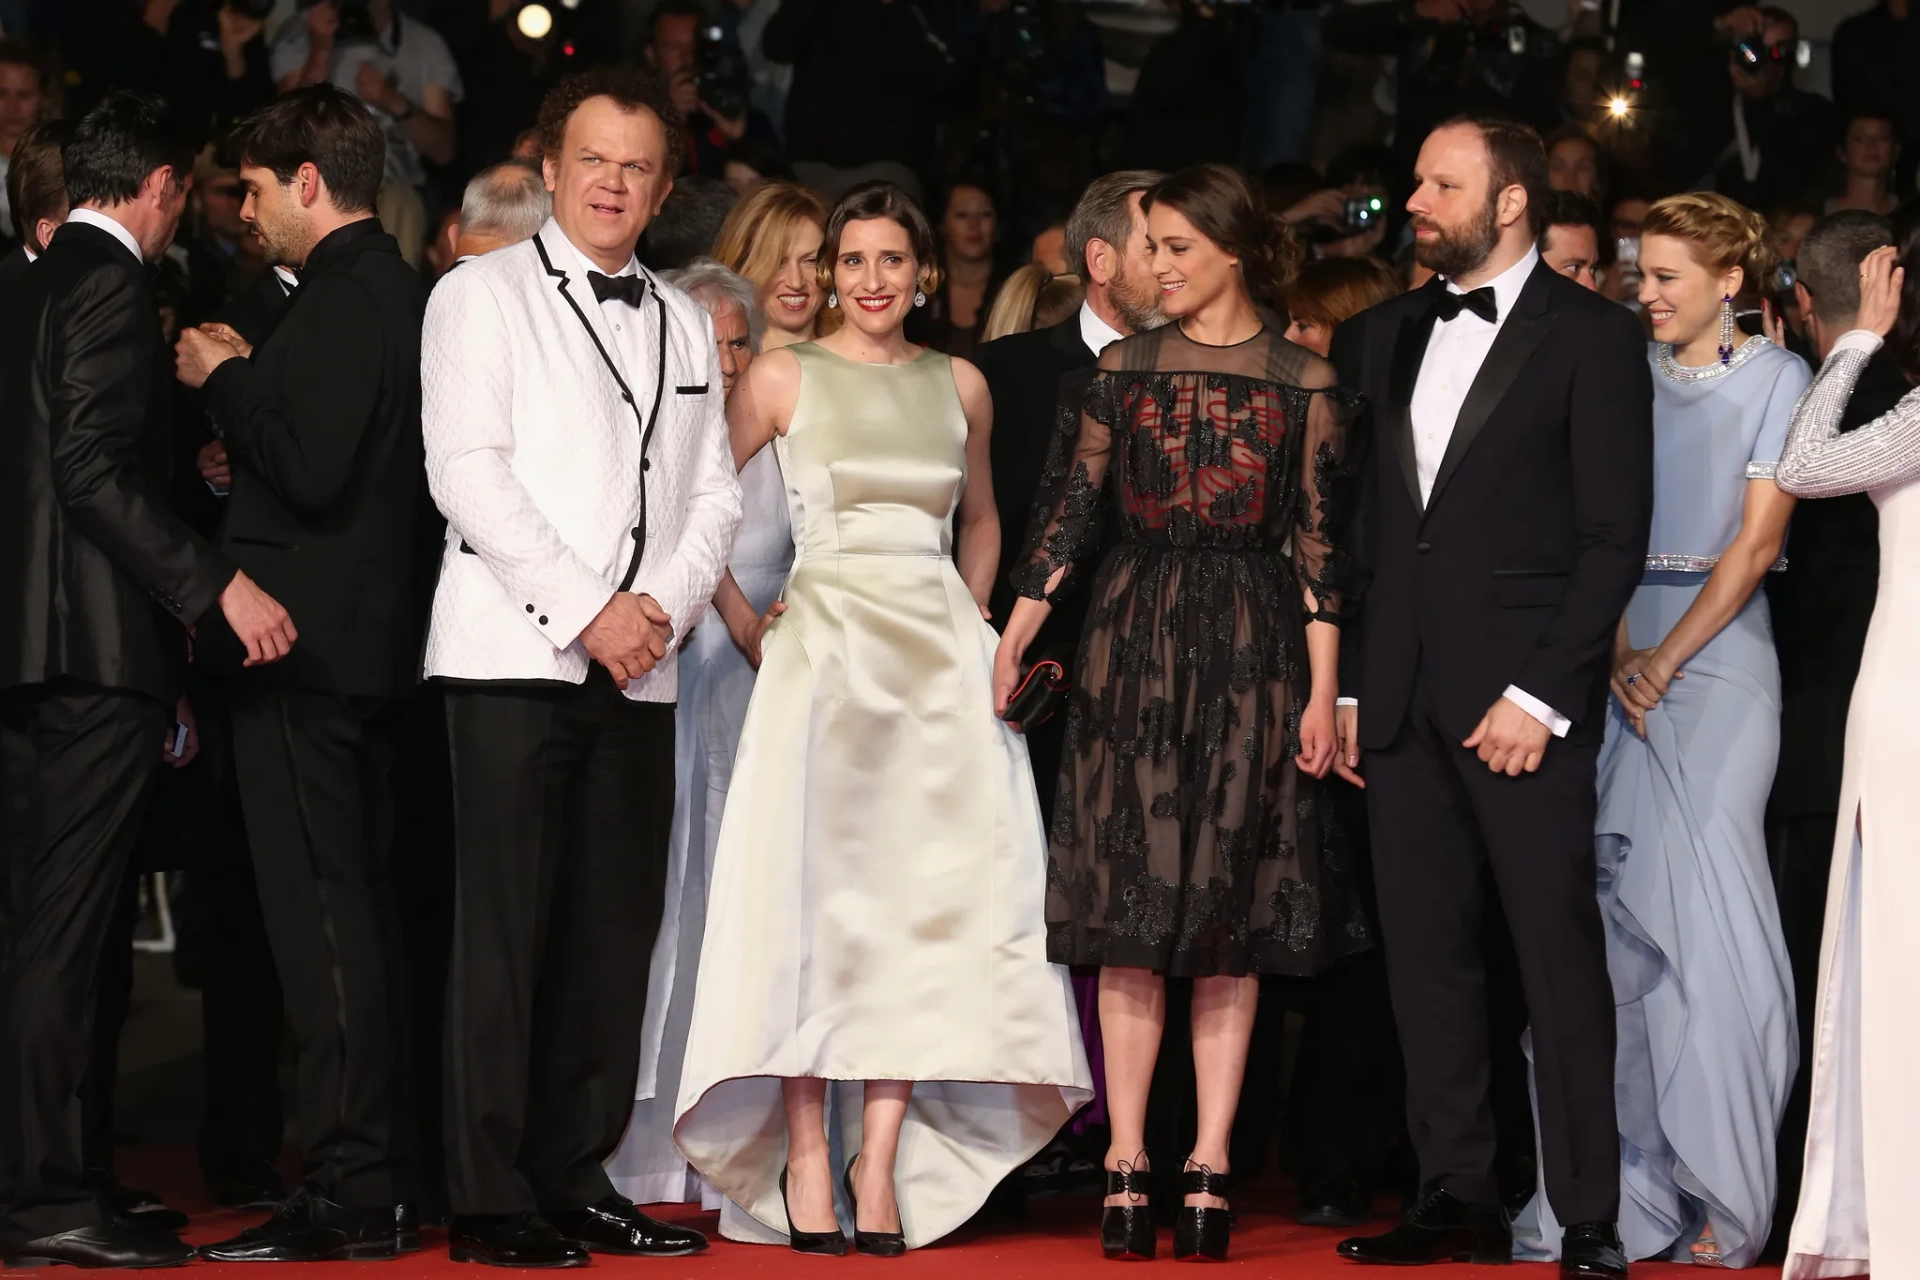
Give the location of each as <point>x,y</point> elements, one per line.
<point>1677,372</point>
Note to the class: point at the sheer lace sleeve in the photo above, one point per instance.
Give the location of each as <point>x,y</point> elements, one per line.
<point>1320,537</point>
<point>1064,529</point>
<point>1820,462</point>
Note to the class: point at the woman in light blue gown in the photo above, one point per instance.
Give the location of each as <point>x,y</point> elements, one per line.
<point>1707,1048</point>
<point>716,682</point>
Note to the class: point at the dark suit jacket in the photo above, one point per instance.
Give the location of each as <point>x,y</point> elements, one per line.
<point>13,273</point>
<point>93,564</point>
<point>1535,535</point>
<point>1034,378</point>
<point>323,432</point>
<point>1821,607</point>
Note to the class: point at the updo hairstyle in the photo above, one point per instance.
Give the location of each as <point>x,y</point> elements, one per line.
<point>874,200</point>
<point>1722,233</point>
<point>1225,208</point>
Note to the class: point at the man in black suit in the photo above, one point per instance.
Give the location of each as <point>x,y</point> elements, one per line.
<point>1505,514</point>
<point>1038,376</point>
<point>1821,606</point>
<point>101,584</point>
<point>322,427</point>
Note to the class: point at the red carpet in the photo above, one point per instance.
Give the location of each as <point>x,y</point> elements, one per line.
<point>1058,1242</point>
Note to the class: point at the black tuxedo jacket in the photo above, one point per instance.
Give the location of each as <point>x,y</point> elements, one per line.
<point>98,577</point>
<point>323,433</point>
<point>1034,378</point>
<point>1517,569</point>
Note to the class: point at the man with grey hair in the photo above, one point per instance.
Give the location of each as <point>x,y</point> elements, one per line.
<point>1031,374</point>
<point>1821,606</point>
<point>503,205</point>
<point>735,307</point>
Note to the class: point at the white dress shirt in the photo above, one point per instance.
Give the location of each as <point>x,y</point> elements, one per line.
<point>1095,332</point>
<point>94,218</point>
<point>1455,351</point>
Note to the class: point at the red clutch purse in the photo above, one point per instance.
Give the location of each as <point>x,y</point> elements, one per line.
<point>1040,693</point>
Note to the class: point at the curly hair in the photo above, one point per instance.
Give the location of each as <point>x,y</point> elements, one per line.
<point>630,88</point>
<point>1721,233</point>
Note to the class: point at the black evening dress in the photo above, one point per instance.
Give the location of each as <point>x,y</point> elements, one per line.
<point>1184,839</point>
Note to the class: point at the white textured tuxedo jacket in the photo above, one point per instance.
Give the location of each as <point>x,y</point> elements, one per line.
<point>534,456</point>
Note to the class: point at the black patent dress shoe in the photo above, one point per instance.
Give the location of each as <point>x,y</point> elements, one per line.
<point>1593,1250</point>
<point>112,1244</point>
<point>615,1226</point>
<point>133,1205</point>
<point>406,1228</point>
<point>258,1187</point>
<point>523,1239</point>
<point>308,1227</point>
<point>1441,1228</point>
<point>1339,1200</point>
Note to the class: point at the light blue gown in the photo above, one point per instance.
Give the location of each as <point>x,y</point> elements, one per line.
<point>716,684</point>
<point>1703,991</point>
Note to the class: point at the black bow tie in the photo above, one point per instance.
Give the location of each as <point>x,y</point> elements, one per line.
<point>1448,305</point>
<point>631,290</point>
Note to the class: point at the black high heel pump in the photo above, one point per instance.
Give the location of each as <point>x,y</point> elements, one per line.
<point>826,1244</point>
<point>1201,1235</point>
<point>1126,1230</point>
<point>877,1244</point>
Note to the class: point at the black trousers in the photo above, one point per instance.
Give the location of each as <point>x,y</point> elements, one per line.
<point>1439,819</point>
<point>77,764</point>
<point>316,783</point>
<point>563,802</point>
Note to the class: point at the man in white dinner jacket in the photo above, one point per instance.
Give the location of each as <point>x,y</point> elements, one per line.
<point>576,441</point>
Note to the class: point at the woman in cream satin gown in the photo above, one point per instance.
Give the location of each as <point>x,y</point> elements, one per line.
<point>875,911</point>
<point>1863,1134</point>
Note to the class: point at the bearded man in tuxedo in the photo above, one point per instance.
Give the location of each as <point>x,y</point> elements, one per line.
<point>1505,512</point>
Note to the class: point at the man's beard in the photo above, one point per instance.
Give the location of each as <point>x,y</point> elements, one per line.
<point>1453,253</point>
<point>1138,314</point>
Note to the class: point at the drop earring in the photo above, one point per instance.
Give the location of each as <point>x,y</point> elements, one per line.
<point>1726,329</point>
<point>919,297</point>
<point>833,299</point>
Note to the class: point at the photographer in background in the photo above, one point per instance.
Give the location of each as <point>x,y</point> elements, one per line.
<point>400,68</point>
<point>1454,56</point>
<point>1777,140</point>
<point>206,58</point>
<point>706,74</point>
<point>1352,218</point>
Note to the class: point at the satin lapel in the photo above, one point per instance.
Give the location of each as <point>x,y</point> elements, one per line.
<point>1512,347</point>
<point>1409,349</point>
<point>585,309</point>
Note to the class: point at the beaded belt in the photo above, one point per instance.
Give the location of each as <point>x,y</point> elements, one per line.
<point>1696,564</point>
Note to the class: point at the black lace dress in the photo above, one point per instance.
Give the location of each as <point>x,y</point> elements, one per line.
<point>1184,838</point>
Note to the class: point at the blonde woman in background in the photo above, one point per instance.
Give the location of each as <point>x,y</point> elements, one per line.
<point>1033,297</point>
<point>772,238</point>
<point>1702,990</point>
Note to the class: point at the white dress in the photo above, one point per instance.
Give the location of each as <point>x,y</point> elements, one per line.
<point>876,903</point>
<point>715,685</point>
<point>1863,1135</point>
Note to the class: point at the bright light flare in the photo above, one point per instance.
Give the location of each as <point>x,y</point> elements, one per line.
<point>1619,107</point>
<point>535,21</point>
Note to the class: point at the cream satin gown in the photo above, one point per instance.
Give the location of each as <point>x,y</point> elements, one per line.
<point>876,905</point>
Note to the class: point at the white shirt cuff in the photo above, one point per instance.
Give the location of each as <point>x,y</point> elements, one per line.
<point>1346,702</point>
<point>1859,340</point>
<point>1539,710</point>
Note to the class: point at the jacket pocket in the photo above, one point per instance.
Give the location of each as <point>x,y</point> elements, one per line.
<point>698,389</point>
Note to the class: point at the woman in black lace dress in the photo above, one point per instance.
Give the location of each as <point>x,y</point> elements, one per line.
<point>1190,836</point>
